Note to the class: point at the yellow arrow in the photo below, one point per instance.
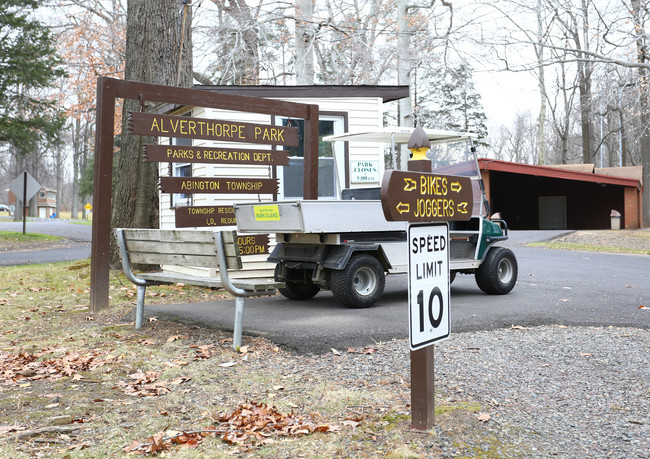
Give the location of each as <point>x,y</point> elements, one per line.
<point>410,184</point>
<point>403,207</point>
<point>455,186</point>
<point>462,207</point>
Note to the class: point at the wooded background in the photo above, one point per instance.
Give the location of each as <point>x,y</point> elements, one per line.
<point>589,58</point>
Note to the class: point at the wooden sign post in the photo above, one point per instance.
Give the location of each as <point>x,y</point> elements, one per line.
<point>420,196</point>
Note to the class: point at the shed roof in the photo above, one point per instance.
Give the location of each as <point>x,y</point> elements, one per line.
<point>387,93</point>
<point>554,172</point>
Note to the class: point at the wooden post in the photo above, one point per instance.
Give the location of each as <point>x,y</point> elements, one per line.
<point>422,371</point>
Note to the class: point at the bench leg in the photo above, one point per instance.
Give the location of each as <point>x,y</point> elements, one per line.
<point>239,320</point>
<point>139,310</point>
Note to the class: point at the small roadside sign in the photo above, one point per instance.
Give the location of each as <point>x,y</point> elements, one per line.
<point>17,187</point>
<point>428,284</point>
<point>425,197</point>
<point>88,206</point>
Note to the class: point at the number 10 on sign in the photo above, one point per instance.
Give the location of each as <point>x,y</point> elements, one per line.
<point>429,318</point>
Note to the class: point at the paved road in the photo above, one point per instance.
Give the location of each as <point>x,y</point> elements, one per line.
<point>77,247</point>
<point>554,287</point>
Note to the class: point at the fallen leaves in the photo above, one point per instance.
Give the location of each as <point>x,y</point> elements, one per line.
<point>43,365</point>
<point>147,384</point>
<point>251,423</point>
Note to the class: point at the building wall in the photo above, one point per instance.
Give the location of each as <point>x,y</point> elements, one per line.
<point>362,114</point>
<point>632,209</point>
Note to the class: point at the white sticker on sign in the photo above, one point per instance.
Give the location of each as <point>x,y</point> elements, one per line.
<point>429,318</point>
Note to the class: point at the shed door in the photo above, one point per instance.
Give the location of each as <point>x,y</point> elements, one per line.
<point>552,212</point>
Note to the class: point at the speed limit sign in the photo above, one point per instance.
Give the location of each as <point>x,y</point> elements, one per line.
<point>428,285</point>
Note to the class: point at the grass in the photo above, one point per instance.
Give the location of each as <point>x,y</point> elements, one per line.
<point>589,247</point>
<point>44,310</point>
<point>19,237</point>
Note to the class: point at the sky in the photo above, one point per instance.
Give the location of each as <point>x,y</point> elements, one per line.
<point>504,94</point>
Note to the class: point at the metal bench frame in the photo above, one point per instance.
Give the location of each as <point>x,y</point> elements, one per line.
<point>214,249</point>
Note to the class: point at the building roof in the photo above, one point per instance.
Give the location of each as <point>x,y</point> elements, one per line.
<point>554,172</point>
<point>635,172</point>
<point>387,93</point>
<point>588,168</point>
<point>398,135</point>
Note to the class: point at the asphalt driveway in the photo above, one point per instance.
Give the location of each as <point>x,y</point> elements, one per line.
<point>554,287</point>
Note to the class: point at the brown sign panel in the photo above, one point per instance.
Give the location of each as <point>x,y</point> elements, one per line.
<point>253,244</point>
<point>424,197</point>
<point>189,154</point>
<point>218,185</point>
<point>195,216</point>
<point>205,128</point>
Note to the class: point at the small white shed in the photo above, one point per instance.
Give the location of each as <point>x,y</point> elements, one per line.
<point>341,109</point>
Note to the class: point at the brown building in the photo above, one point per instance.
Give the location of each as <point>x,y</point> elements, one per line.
<point>45,203</point>
<point>563,197</point>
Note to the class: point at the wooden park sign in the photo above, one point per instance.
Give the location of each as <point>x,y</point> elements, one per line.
<point>253,244</point>
<point>221,185</point>
<point>196,216</point>
<point>204,128</point>
<point>109,90</point>
<point>215,155</point>
<point>426,197</point>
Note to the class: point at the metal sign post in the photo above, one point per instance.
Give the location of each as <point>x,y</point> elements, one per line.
<point>24,187</point>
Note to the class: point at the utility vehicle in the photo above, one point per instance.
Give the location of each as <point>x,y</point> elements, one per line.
<point>348,247</point>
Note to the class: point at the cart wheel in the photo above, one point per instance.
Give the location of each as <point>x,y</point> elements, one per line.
<point>498,272</point>
<point>298,285</point>
<point>361,283</point>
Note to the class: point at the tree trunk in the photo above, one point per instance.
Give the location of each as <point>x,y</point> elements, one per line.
<point>541,83</point>
<point>404,69</point>
<point>304,42</point>
<point>59,180</point>
<point>155,31</point>
<point>644,106</point>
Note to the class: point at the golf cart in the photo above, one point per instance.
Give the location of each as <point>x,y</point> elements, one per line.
<point>347,245</point>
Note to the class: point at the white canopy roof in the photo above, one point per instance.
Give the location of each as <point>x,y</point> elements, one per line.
<point>399,134</point>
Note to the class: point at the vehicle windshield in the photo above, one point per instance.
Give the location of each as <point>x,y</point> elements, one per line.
<point>453,159</point>
<point>457,158</point>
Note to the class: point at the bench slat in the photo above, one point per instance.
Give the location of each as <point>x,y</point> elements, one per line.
<point>203,281</point>
<point>167,235</point>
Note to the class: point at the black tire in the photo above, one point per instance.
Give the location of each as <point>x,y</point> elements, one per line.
<point>361,283</point>
<point>298,285</point>
<point>497,274</point>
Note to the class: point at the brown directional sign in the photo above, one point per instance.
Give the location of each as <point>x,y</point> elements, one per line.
<point>213,155</point>
<point>194,216</point>
<point>253,244</point>
<point>424,197</point>
<point>205,128</point>
<point>218,185</point>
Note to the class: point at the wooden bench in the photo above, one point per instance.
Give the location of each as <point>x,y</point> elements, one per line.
<point>206,249</point>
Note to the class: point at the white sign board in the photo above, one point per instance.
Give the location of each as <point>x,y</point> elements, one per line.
<point>364,171</point>
<point>17,186</point>
<point>429,318</point>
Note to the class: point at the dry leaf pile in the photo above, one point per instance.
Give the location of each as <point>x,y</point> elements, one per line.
<point>44,365</point>
<point>250,424</point>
